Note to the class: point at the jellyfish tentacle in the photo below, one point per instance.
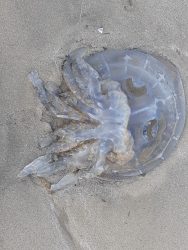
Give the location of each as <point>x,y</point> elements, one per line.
<point>42,166</point>
<point>51,101</point>
<point>73,178</point>
<point>85,74</point>
<point>67,180</point>
<point>45,165</point>
<point>82,79</point>
<point>71,139</point>
<point>104,148</point>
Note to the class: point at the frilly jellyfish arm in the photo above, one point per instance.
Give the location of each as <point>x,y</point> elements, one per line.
<point>99,167</point>
<point>82,79</point>
<point>51,101</point>
<point>45,165</point>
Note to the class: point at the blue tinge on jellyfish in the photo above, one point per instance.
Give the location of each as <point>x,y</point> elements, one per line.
<point>117,114</point>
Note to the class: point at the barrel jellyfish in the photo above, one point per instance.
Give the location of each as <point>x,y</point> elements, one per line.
<point>117,114</point>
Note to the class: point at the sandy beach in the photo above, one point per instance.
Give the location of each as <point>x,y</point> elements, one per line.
<point>149,213</point>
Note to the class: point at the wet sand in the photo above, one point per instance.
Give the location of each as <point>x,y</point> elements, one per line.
<point>149,213</point>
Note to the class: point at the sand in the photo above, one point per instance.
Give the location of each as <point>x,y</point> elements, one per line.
<point>149,213</point>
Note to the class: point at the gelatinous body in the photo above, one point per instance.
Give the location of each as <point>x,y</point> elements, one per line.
<point>125,112</point>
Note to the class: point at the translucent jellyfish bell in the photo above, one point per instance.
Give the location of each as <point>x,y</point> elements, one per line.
<point>156,97</point>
